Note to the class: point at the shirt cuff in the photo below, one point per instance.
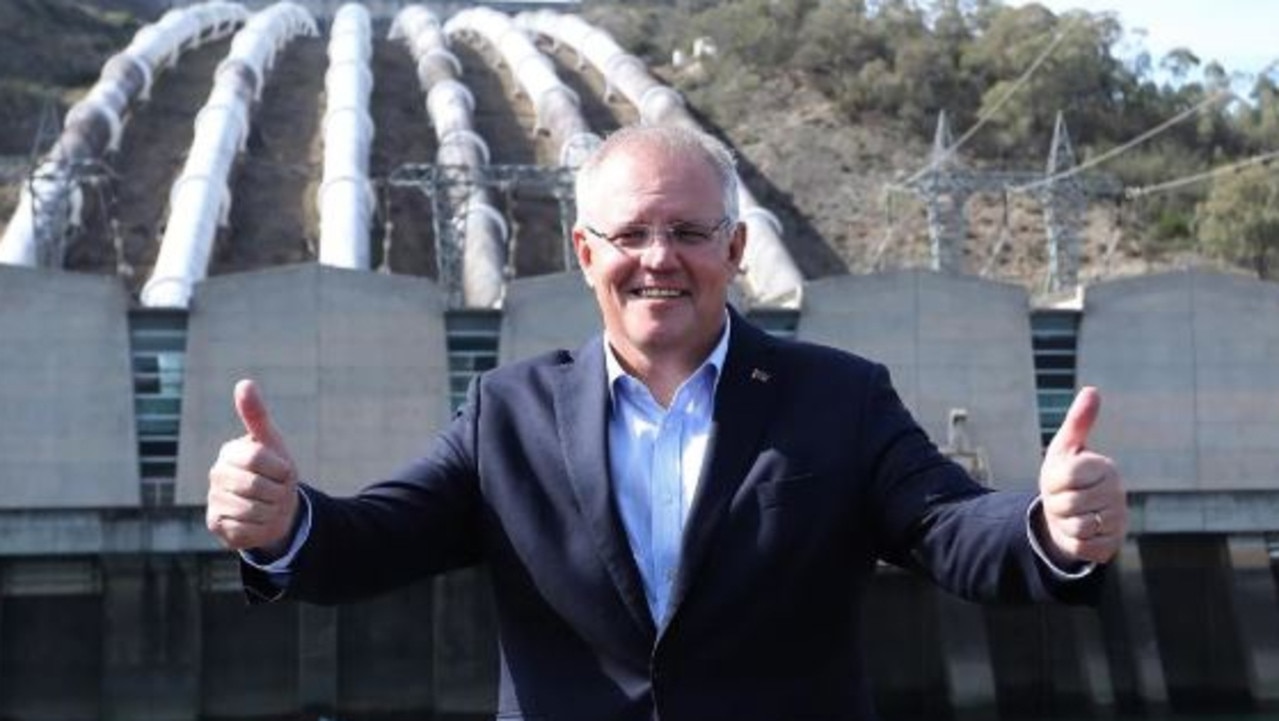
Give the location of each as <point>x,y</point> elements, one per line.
<point>282,565</point>
<point>1079,572</point>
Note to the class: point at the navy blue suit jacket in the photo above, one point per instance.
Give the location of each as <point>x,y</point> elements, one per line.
<point>815,471</point>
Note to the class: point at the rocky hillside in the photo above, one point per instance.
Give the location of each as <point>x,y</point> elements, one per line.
<point>824,175</point>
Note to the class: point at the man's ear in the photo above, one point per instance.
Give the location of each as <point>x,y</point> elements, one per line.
<point>737,247</point>
<point>582,250</point>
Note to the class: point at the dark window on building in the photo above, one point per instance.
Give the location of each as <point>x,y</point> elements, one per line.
<point>472,337</point>
<point>157,343</point>
<point>1054,338</point>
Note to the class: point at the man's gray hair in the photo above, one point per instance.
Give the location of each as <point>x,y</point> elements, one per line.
<point>676,139</point>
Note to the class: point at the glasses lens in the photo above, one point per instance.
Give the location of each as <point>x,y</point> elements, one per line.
<point>640,237</point>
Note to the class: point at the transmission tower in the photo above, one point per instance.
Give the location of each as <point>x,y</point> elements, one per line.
<point>48,130</point>
<point>945,186</point>
<point>1064,198</point>
<point>447,186</point>
<point>51,186</point>
<point>945,190</point>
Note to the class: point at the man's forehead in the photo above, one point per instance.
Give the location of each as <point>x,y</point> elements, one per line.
<point>629,186</point>
<point>644,163</point>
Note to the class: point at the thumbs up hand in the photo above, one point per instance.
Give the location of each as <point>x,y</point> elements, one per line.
<point>253,495</point>
<point>1085,510</point>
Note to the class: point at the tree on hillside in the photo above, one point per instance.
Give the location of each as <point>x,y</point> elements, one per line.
<point>1179,63</point>
<point>1080,75</point>
<point>762,30</point>
<point>1239,220</point>
<point>1259,120</point>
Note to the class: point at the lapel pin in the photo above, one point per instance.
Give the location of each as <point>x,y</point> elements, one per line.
<point>760,375</point>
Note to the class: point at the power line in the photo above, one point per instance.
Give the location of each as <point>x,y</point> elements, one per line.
<point>1264,158</point>
<point>1215,97</point>
<point>1003,100</point>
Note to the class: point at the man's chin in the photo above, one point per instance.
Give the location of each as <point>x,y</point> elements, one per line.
<point>657,338</point>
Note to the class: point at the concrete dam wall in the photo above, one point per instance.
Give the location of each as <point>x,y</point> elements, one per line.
<point>115,602</point>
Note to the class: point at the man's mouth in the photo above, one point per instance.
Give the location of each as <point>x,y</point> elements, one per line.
<point>658,293</point>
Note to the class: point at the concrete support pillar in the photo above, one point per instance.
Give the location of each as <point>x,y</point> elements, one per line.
<point>386,652</point>
<point>1136,668</point>
<point>317,659</point>
<point>151,638</point>
<point>4,635</point>
<point>1191,594</point>
<point>1038,662</point>
<point>966,650</point>
<point>1257,608</point>
<point>1090,643</point>
<point>125,647</point>
<point>249,657</point>
<point>903,646</point>
<point>51,650</point>
<point>466,664</point>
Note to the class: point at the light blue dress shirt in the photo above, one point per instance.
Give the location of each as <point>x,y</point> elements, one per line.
<point>655,459</point>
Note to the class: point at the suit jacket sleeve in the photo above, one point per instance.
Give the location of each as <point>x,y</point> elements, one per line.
<point>422,521</point>
<point>935,519</point>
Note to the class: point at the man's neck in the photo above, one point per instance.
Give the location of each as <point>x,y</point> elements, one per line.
<point>663,372</point>
<point>661,375</point>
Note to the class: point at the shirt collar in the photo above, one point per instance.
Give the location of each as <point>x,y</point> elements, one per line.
<point>715,360</point>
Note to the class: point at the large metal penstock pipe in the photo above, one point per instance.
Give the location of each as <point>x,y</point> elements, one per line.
<point>345,196</point>
<point>450,106</point>
<point>557,106</point>
<point>93,125</point>
<point>200,199</point>
<point>771,277</point>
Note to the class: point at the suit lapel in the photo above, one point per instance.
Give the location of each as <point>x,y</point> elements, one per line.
<point>581,411</point>
<point>743,403</point>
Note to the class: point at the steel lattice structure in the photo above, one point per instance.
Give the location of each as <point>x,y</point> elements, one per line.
<point>945,187</point>
<point>449,187</point>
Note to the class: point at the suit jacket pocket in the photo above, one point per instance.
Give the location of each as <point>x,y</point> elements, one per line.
<point>786,491</point>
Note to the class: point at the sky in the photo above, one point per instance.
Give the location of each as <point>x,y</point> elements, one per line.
<point>1240,34</point>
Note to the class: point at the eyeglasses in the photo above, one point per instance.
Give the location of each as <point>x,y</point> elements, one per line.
<point>637,238</point>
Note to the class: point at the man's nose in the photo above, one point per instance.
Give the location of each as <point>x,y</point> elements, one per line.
<point>660,251</point>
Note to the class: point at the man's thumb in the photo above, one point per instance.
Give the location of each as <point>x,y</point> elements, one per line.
<point>254,415</point>
<point>1073,434</point>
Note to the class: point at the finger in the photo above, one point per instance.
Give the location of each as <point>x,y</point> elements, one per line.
<point>250,486</point>
<point>254,415</point>
<point>1080,527</point>
<point>245,523</point>
<point>1079,471</point>
<point>1076,501</point>
<point>1073,434</point>
<point>224,504</point>
<point>1087,526</point>
<point>249,455</point>
<point>234,534</point>
<point>1099,549</point>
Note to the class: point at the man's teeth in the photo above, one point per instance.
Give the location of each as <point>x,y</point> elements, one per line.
<point>658,293</point>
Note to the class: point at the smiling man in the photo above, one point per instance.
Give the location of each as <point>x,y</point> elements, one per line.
<point>680,517</point>
<point>658,239</point>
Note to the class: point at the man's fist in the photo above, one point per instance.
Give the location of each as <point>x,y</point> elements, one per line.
<point>253,494</point>
<point>1085,510</point>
